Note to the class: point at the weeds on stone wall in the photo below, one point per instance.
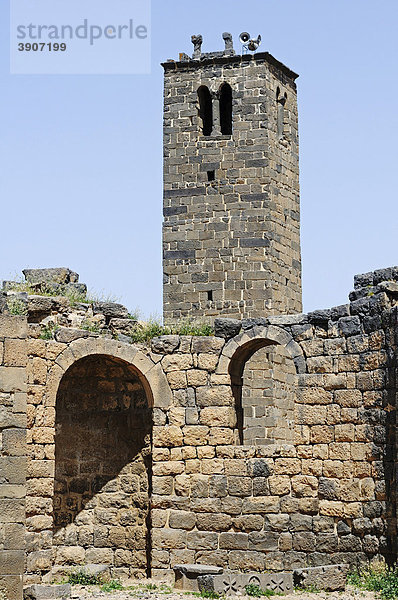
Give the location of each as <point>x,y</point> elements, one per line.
<point>89,325</point>
<point>82,577</point>
<point>151,588</point>
<point>140,330</point>
<point>309,589</point>
<point>48,331</point>
<point>73,295</point>
<point>144,332</point>
<point>377,578</point>
<point>16,306</point>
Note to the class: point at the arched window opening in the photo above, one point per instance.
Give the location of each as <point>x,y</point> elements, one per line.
<point>205,109</point>
<point>263,378</point>
<point>281,101</point>
<point>226,109</point>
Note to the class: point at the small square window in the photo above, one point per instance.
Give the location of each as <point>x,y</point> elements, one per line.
<point>211,175</point>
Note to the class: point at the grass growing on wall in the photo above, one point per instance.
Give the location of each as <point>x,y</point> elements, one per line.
<point>16,306</point>
<point>145,331</point>
<point>74,296</point>
<point>140,331</point>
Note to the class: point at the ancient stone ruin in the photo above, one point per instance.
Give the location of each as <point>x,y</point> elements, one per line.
<point>270,445</point>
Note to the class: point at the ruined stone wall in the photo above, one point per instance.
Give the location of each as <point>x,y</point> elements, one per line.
<point>41,454</point>
<point>231,244</point>
<point>326,495</point>
<point>13,359</point>
<point>329,496</point>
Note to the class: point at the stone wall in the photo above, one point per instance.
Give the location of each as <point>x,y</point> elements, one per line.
<point>231,243</point>
<point>330,495</point>
<point>13,359</point>
<point>186,489</point>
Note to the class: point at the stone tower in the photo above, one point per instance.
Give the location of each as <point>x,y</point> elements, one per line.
<point>231,232</point>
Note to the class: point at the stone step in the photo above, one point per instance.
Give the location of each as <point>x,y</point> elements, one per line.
<point>329,577</point>
<point>47,592</point>
<point>186,576</point>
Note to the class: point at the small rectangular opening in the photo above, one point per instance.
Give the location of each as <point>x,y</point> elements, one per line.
<point>211,175</point>
<point>210,293</point>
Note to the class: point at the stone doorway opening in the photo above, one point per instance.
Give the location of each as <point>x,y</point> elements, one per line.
<point>264,381</point>
<point>103,467</point>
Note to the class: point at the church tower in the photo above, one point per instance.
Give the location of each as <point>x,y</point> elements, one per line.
<point>231,231</point>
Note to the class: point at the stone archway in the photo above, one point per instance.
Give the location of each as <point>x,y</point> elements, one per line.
<point>103,469</point>
<point>263,364</point>
<point>103,392</point>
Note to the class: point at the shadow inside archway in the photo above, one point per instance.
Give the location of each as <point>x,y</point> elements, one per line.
<point>102,454</point>
<point>263,379</point>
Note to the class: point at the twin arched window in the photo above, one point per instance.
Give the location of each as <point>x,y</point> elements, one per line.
<point>225,109</point>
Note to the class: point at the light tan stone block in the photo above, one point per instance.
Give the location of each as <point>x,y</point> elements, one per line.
<point>196,378</point>
<point>12,379</point>
<point>177,416</point>
<point>305,485</point>
<point>279,485</point>
<point>15,353</point>
<point>348,398</point>
<point>331,508</point>
<point>169,436</point>
<point>13,326</point>
<point>177,362</point>
<point>218,416</point>
<point>37,371</point>
<point>314,395</point>
<point>177,379</point>
<point>195,435</point>
<point>208,362</point>
<point>171,467</point>
<point>220,395</point>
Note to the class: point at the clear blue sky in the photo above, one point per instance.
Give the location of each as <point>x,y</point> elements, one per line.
<point>81,156</point>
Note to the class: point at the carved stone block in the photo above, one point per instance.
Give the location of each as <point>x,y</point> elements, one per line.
<point>232,583</point>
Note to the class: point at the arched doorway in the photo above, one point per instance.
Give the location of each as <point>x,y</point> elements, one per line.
<point>103,466</point>
<point>263,366</point>
<point>268,395</point>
